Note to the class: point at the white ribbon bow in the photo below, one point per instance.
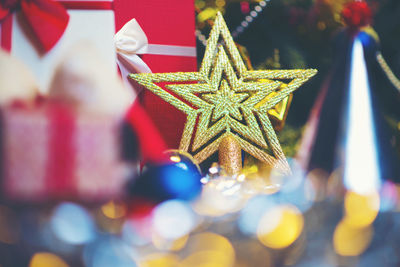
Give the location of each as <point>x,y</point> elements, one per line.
<point>130,41</point>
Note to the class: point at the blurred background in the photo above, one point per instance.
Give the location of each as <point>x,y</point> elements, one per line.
<point>169,212</point>
<point>290,34</point>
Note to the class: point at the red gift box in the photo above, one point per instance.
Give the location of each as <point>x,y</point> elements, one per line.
<point>40,32</point>
<point>52,152</point>
<point>170,28</point>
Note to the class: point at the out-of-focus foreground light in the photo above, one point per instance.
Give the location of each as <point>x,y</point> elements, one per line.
<point>173,219</point>
<point>389,196</point>
<point>295,189</point>
<point>137,229</point>
<point>113,210</point>
<point>44,259</point>
<point>209,249</point>
<point>318,184</point>
<point>361,210</point>
<point>252,213</point>
<point>220,196</point>
<point>280,227</point>
<point>354,233</point>
<point>108,251</point>
<point>164,244</point>
<point>72,224</point>
<point>160,260</point>
<point>351,241</point>
<point>361,172</point>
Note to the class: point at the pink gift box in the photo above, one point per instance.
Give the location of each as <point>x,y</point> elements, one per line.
<point>52,152</point>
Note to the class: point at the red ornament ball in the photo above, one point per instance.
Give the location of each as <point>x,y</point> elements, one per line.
<point>357,14</point>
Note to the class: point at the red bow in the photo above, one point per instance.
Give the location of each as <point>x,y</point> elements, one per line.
<point>47,19</point>
<point>357,14</point>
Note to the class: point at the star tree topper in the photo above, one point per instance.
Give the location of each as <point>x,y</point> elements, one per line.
<point>225,99</point>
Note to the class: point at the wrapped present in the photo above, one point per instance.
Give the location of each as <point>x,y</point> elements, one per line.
<point>170,29</point>
<point>84,81</point>
<point>81,142</point>
<point>16,80</point>
<point>52,151</point>
<point>40,31</point>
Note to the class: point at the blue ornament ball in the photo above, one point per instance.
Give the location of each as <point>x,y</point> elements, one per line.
<point>179,178</point>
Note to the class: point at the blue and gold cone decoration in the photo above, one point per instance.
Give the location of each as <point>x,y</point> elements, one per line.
<point>346,128</point>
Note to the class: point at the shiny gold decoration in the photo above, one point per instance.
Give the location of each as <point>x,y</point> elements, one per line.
<point>381,60</point>
<point>279,112</point>
<point>230,155</point>
<point>389,73</point>
<point>224,96</point>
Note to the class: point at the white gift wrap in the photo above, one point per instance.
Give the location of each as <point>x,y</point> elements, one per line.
<point>95,26</point>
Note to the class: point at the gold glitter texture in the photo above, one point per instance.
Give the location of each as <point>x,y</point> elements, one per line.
<point>230,155</point>
<point>225,99</point>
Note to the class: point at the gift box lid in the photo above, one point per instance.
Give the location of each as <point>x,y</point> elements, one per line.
<point>166,22</point>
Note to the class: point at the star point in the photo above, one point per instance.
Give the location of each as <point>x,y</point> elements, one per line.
<point>224,98</point>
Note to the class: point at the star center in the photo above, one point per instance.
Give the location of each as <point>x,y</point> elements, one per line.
<point>226,102</point>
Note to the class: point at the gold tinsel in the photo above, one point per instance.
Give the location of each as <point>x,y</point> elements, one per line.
<point>227,99</point>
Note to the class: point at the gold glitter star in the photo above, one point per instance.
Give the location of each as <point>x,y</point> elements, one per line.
<point>225,99</point>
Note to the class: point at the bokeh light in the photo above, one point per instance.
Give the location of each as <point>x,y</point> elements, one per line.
<point>210,258</point>
<point>302,196</point>
<point>389,197</point>
<point>173,219</point>
<point>109,251</point>
<point>251,214</point>
<point>134,236</point>
<point>164,244</point>
<point>44,259</point>
<point>335,186</point>
<point>351,241</point>
<point>297,189</point>
<point>114,210</point>
<point>220,3</point>
<point>159,260</point>
<point>220,196</point>
<point>280,227</point>
<point>250,252</point>
<point>137,229</point>
<point>361,210</point>
<point>209,249</point>
<point>318,178</point>
<point>72,224</point>
<point>255,180</point>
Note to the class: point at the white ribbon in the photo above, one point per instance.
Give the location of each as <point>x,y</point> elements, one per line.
<point>130,41</point>
<point>171,50</point>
